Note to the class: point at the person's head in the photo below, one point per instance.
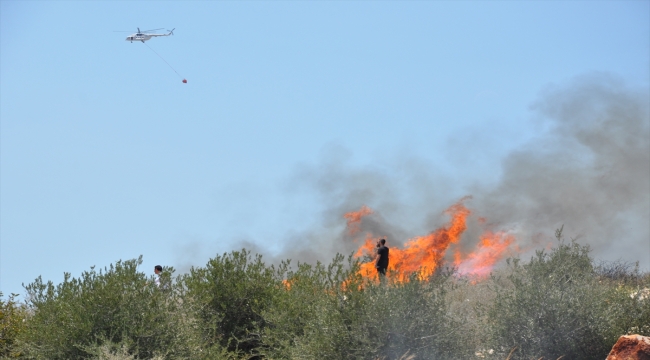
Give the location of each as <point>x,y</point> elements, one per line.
<point>382,242</point>
<point>157,269</point>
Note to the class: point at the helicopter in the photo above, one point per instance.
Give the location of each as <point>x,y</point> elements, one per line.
<point>145,35</point>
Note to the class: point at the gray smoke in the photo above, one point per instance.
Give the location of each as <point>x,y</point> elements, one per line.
<point>588,171</point>
<point>396,197</point>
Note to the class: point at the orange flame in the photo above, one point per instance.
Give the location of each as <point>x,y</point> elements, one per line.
<point>287,283</point>
<point>354,219</point>
<point>424,254</point>
<point>490,250</point>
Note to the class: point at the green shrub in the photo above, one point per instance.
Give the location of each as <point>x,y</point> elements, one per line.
<point>554,307</point>
<point>339,315</point>
<point>228,297</point>
<point>412,317</point>
<point>117,305</point>
<point>628,298</point>
<point>324,304</point>
<point>307,293</point>
<point>236,307</point>
<point>12,323</point>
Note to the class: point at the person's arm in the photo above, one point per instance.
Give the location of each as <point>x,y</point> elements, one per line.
<point>378,257</point>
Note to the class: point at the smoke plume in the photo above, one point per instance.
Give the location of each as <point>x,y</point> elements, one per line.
<point>588,171</point>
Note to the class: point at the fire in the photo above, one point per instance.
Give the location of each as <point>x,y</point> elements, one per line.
<point>490,250</point>
<point>354,219</point>
<point>287,283</point>
<point>424,254</point>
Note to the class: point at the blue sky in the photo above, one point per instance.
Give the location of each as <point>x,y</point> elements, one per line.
<point>107,155</point>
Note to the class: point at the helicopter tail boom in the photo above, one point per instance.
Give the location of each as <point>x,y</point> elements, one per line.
<point>171,32</point>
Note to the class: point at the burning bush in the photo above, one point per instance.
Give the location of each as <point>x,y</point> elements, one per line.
<point>557,304</point>
<point>368,320</point>
<point>424,254</point>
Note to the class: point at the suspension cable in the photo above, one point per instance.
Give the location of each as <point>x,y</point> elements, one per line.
<point>179,75</point>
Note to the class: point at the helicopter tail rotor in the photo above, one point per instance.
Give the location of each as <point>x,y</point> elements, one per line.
<point>171,32</point>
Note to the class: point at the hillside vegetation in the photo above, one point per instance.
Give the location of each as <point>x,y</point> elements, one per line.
<point>558,303</point>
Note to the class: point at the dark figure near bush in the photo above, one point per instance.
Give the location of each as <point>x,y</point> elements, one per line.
<point>157,270</point>
<point>381,263</point>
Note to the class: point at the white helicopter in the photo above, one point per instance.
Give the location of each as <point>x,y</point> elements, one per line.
<point>145,35</point>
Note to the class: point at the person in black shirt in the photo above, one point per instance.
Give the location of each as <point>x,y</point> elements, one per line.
<point>381,262</point>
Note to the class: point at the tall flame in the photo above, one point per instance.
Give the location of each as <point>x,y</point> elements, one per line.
<point>424,254</point>
<point>354,219</point>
